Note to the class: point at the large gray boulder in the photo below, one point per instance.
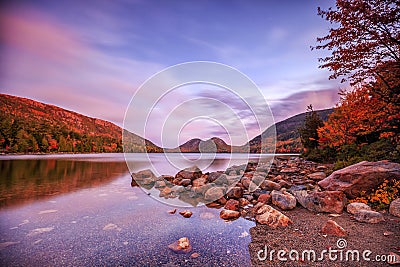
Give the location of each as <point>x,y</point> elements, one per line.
<point>363,176</point>
<point>326,201</point>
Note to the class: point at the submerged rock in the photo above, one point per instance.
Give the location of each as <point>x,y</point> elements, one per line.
<point>229,214</point>
<point>181,246</point>
<point>186,213</point>
<point>172,211</point>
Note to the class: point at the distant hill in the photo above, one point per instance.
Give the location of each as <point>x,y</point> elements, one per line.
<point>287,139</point>
<point>31,126</point>
<point>287,135</point>
<point>197,145</point>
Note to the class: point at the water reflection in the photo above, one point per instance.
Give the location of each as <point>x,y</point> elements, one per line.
<point>24,181</point>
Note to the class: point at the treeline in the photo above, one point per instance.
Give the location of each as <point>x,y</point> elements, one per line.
<point>365,50</point>
<point>22,136</point>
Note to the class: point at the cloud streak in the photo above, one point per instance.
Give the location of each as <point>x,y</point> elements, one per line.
<point>47,61</point>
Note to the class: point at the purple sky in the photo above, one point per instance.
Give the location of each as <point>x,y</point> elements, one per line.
<point>91,56</point>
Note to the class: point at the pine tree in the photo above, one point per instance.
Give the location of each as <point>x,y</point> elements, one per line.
<point>309,131</point>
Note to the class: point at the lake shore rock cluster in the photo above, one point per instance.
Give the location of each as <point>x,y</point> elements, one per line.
<point>270,194</point>
<point>261,191</point>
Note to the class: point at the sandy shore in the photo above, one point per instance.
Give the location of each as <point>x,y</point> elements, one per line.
<point>304,234</point>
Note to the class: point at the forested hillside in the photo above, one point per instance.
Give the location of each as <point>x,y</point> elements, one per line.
<point>30,126</point>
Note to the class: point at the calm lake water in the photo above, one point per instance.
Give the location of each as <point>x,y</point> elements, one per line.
<point>76,210</point>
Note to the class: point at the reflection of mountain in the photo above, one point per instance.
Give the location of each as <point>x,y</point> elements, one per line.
<point>27,180</point>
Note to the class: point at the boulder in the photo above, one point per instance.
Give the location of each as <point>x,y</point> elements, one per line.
<point>185,182</point>
<point>214,193</point>
<point>159,184</point>
<point>245,181</point>
<point>199,182</point>
<point>321,168</point>
<point>285,184</point>
<point>363,176</point>
<point>229,214</point>
<point>221,180</point>
<point>267,215</point>
<point>283,200</point>
<point>235,192</point>
<point>212,176</point>
<point>189,173</point>
<point>243,202</point>
<point>146,181</point>
<point>270,185</point>
<point>326,201</point>
<point>368,216</point>
<point>264,198</point>
<point>334,229</point>
<point>167,178</point>
<point>317,176</point>
<point>356,206</point>
<point>232,204</point>
<point>181,246</point>
<point>143,174</point>
<point>165,192</point>
<point>394,207</point>
<point>235,170</point>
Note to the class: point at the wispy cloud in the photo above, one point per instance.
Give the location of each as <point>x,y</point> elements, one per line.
<point>46,60</point>
<point>298,102</point>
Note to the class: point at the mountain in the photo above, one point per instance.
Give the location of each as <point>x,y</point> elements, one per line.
<point>30,126</point>
<point>197,145</point>
<point>287,135</point>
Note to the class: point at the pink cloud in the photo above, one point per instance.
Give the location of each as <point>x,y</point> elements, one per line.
<point>33,32</point>
<point>46,60</point>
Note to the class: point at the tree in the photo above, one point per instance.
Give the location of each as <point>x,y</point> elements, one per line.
<point>44,147</point>
<point>308,132</point>
<point>21,140</point>
<point>365,40</point>
<point>62,144</point>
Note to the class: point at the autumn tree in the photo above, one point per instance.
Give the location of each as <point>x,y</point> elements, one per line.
<point>364,40</point>
<point>364,45</point>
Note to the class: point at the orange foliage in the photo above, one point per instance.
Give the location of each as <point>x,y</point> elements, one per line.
<point>361,115</point>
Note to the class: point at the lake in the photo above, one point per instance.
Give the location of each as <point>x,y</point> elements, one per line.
<point>75,210</point>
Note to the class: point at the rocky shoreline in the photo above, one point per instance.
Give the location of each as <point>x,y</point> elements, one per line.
<point>262,192</point>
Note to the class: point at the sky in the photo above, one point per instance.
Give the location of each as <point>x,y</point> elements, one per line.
<point>92,57</point>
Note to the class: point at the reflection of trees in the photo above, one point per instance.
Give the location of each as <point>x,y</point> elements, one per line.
<point>24,180</point>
